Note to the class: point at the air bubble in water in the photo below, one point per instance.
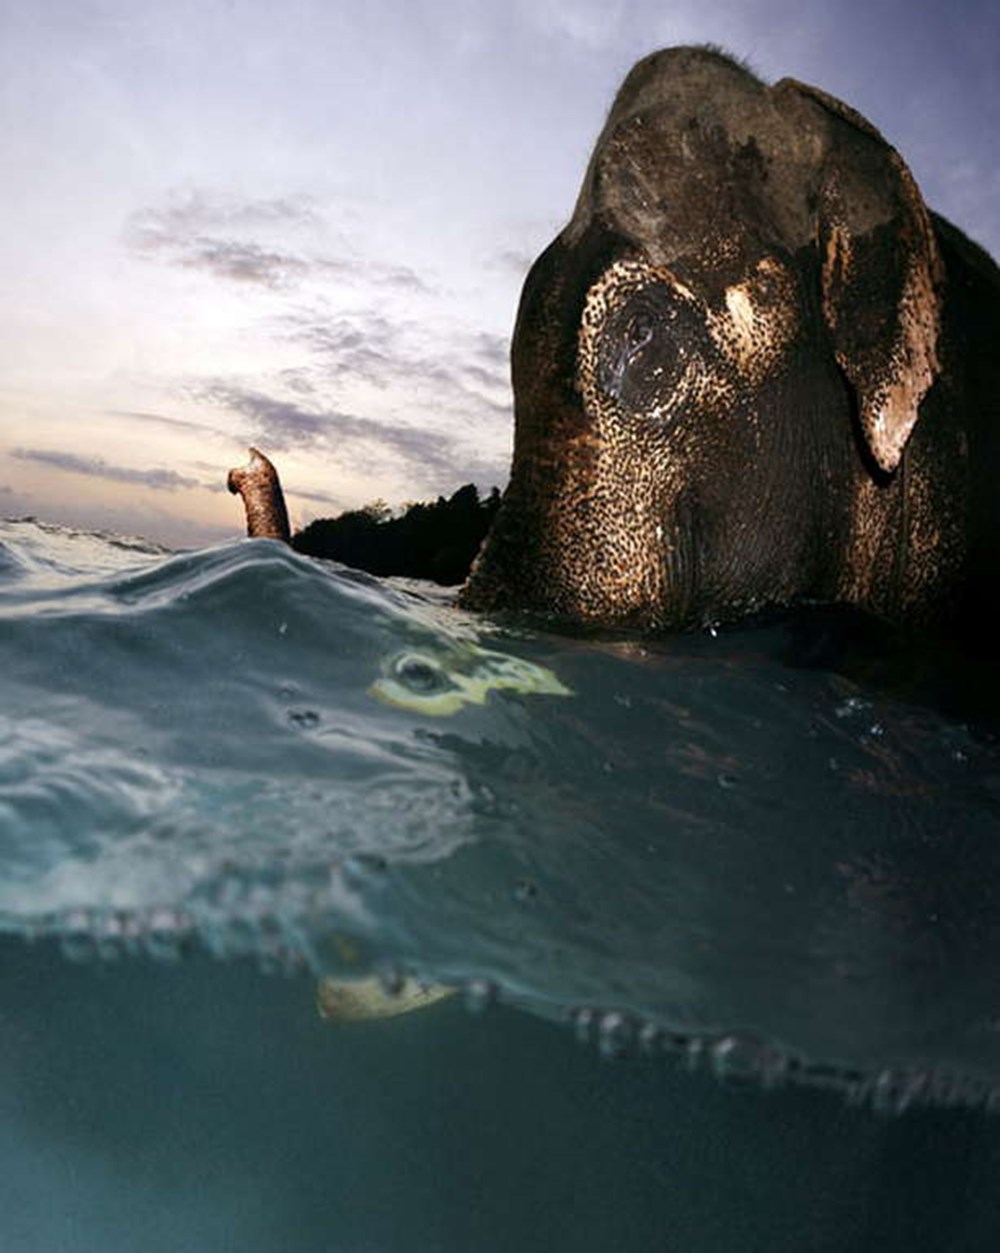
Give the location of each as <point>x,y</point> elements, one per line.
<point>421,675</point>
<point>304,719</point>
<point>164,931</point>
<point>162,946</point>
<point>880,1091</point>
<point>111,936</point>
<point>650,1039</point>
<point>735,1056</point>
<point>739,1056</point>
<point>892,1093</point>
<point>78,946</point>
<point>615,1035</point>
<point>76,935</point>
<point>909,1090</point>
<point>584,1021</point>
<point>479,995</point>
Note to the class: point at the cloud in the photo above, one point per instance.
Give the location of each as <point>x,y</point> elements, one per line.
<point>232,259</point>
<point>465,374</point>
<point>274,422</point>
<point>249,242</point>
<point>284,424</point>
<point>277,424</point>
<point>242,263</point>
<point>356,347</point>
<point>160,480</point>
<point>493,348</point>
<point>192,213</point>
<point>158,419</point>
<point>323,498</point>
<point>352,343</point>
<point>515,261</point>
<point>487,364</point>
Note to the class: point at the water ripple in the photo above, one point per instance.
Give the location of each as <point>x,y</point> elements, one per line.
<point>677,847</point>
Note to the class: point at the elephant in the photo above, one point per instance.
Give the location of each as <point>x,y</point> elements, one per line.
<point>258,485</point>
<point>754,370</point>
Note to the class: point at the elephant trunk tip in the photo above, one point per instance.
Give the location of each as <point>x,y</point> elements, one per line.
<point>258,485</point>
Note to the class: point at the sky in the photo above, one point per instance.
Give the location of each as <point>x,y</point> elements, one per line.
<point>305,226</point>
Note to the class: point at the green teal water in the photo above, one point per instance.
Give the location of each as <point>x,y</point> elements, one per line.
<point>704,865</point>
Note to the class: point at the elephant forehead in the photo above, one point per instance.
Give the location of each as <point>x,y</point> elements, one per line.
<point>704,185</point>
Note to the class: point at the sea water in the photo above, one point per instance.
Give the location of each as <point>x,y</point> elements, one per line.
<point>721,929</point>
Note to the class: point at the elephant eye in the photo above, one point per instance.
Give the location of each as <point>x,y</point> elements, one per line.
<point>638,333</point>
<point>622,351</point>
<point>643,343</point>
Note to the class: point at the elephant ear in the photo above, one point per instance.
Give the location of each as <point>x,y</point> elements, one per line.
<point>881,272</point>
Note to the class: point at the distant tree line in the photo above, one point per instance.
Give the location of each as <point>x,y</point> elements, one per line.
<point>435,541</point>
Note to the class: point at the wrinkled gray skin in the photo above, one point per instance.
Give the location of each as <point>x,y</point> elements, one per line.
<point>752,369</point>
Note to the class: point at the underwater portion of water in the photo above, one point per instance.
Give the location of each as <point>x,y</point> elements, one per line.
<point>201,1106</point>
<point>684,847</point>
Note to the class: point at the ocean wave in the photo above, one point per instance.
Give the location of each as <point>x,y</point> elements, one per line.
<point>676,846</point>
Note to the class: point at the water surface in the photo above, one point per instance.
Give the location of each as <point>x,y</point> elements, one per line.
<point>689,855</point>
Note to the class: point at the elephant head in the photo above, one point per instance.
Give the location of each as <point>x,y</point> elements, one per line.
<point>718,365</point>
